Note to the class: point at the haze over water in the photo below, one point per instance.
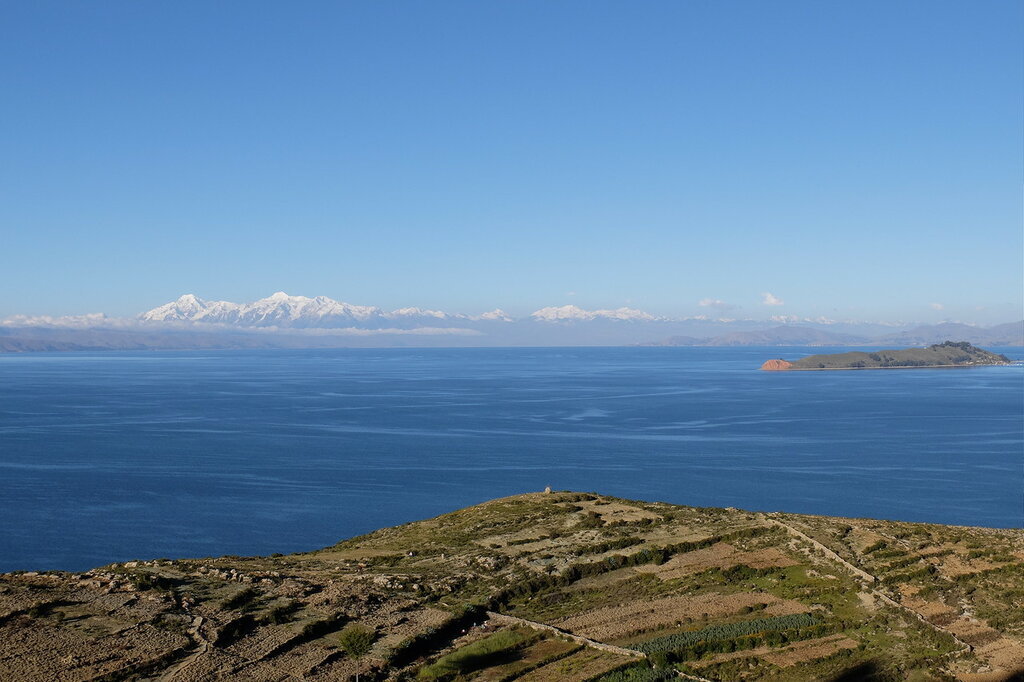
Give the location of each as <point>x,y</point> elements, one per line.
<point>113,456</point>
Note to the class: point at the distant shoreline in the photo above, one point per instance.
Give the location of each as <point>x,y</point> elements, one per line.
<point>857,369</point>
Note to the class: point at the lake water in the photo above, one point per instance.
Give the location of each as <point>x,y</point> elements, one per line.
<point>113,456</point>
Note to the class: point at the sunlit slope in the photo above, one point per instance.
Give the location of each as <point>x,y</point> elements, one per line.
<point>559,586</point>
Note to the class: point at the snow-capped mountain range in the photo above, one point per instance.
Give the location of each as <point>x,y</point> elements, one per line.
<point>301,312</point>
<point>568,313</point>
<point>283,321</point>
<point>321,312</point>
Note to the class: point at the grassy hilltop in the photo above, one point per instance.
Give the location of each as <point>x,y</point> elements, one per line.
<point>560,586</point>
<point>947,354</point>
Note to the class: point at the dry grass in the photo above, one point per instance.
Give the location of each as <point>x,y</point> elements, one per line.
<point>720,555</point>
<point>809,650</point>
<point>618,622</point>
<point>612,512</point>
<point>582,665</point>
<point>798,652</point>
<point>529,657</point>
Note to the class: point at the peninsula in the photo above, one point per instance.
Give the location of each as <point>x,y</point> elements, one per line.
<point>947,354</point>
<point>541,587</point>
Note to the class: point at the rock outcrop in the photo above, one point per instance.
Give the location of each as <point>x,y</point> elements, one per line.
<point>776,365</point>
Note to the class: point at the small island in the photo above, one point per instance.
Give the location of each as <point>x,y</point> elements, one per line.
<point>947,354</point>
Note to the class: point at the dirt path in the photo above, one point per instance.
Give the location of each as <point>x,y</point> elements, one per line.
<point>513,620</point>
<point>203,647</point>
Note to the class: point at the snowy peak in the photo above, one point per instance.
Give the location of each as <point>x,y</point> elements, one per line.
<point>189,308</point>
<point>284,310</point>
<point>496,315</point>
<point>571,313</point>
<point>281,309</point>
<point>420,312</point>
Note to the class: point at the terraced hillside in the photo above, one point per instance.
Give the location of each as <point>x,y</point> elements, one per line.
<point>561,586</point>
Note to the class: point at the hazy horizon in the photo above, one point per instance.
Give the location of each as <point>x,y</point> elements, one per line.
<point>708,312</point>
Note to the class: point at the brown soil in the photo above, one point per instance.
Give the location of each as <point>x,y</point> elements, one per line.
<point>719,555</point>
<point>809,650</point>
<point>583,665</point>
<point>618,622</point>
<point>616,511</point>
<point>798,652</point>
<point>531,656</point>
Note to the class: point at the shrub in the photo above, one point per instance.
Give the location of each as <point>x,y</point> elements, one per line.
<point>280,614</point>
<point>356,640</point>
<point>241,599</point>
<point>608,545</point>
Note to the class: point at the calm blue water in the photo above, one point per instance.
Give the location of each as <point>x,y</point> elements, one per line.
<point>112,456</point>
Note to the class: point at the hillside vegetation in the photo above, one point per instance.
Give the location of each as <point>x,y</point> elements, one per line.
<point>948,354</point>
<point>538,587</point>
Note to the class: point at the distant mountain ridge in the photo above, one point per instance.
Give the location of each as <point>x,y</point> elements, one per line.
<point>285,321</point>
<point>1009,334</point>
<point>282,310</point>
<point>571,313</point>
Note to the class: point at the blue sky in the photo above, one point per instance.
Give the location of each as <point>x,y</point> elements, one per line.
<point>857,160</point>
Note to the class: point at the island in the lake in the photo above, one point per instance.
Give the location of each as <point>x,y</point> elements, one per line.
<point>547,587</point>
<point>947,354</point>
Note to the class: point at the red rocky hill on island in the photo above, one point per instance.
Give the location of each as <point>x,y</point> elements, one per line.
<point>776,365</point>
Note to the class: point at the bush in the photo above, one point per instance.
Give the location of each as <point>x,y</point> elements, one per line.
<point>608,545</point>
<point>241,599</point>
<point>356,640</point>
<point>591,520</point>
<point>280,614</point>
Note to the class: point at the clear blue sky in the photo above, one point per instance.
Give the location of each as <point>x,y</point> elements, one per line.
<point>855,159</point>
